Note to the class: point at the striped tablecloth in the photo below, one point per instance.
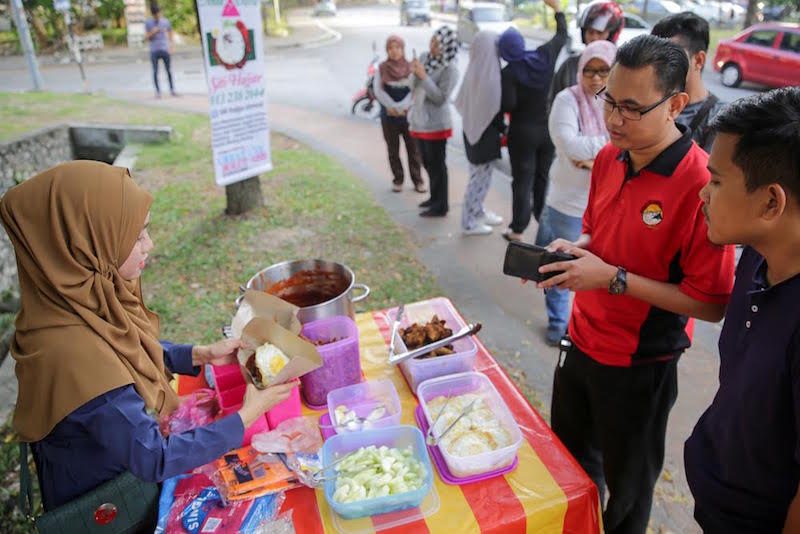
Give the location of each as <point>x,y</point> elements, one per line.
<point>547,492</point>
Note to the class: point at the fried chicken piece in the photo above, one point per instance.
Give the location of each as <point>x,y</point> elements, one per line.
<point>413,336</point>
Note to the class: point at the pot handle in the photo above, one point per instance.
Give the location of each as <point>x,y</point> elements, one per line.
<point>362,287</point>
<point>238,300</point>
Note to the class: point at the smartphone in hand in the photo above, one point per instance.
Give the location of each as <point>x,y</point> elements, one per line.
<point>523,261</point>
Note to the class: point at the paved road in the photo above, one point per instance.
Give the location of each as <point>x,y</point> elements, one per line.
<point>310,92</point>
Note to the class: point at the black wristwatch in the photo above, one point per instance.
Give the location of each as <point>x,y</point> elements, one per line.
<point>620,282</point>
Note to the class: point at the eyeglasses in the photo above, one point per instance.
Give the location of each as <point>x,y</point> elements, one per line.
<point>591,73</point>
<point>628,113</point>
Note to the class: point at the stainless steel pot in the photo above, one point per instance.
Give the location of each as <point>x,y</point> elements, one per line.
<point>339,305</point>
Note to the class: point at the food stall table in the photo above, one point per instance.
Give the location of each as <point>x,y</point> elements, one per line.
<point>547,492</point>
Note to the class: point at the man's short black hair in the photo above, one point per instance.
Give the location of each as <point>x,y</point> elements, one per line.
<point>768,149</point>
<point>154,9</point>
<point>691,29</point>
<point>668,59</point>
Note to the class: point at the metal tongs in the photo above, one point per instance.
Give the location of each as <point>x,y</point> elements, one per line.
<point>317,477</point>
<point>434,440</point>
<point>395,326</point>
<point>469,330</point>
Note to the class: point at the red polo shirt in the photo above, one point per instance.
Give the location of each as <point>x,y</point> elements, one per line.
<point>650,223</point>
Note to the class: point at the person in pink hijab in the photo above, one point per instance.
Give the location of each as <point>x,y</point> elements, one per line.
<point>578,131</point>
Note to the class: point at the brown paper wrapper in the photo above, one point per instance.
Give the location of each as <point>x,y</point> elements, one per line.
<point>264,318</point>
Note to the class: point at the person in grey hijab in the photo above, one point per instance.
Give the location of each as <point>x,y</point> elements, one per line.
<point>478,102</point>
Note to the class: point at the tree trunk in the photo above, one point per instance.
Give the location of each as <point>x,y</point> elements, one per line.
<point>750,16</point>
<point>243,196</point>
<point>38,29</point>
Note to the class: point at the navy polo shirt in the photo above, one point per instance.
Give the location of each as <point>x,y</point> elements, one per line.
<point>743,457</point>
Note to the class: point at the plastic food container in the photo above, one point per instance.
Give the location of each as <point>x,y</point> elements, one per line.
<point>417,371</point>
<point>229,404</point>
<point>341,362</point>
<point>226,376</point>
<point>465,466</point>
<point>288,409</point>
<point>399,437</point>
<point>362,398</point>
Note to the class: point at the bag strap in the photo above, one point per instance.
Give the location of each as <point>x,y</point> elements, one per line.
<point>25,483</point>
<point>703,112</point>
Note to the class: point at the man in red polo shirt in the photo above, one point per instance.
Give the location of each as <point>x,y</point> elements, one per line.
<point>645,267</point>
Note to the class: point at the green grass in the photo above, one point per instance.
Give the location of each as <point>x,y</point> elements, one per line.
<point>313,207</point>
<point>114,36</point>
<point>11,519</point>
<point>715,36</point>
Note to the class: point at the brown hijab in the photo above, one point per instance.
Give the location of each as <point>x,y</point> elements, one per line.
<point>82,329</point>
<point>395,70</point>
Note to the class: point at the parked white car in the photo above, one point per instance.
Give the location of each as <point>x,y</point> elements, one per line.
<point>481,16</point>
<point>656,9</point>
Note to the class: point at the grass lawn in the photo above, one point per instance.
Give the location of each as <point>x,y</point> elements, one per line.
<point>715,36</point>
<point>313,208</point>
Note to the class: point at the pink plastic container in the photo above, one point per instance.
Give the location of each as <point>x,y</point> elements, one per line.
<point>341,362</point>
<point>288,409</point>
<point>230,401</point>
<point>227,376</point>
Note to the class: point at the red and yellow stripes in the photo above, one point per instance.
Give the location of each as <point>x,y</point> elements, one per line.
<point>547,492</point>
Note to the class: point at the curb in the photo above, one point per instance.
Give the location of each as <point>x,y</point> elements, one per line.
<point>328,36</point>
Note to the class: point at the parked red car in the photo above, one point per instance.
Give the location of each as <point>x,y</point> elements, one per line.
<point>767,53</point>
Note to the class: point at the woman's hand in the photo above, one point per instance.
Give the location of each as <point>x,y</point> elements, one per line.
<point>554,4</point>
<point>258,401</point>
<point>220,353</point>
<point>418,69</point>
<point>584,164</point>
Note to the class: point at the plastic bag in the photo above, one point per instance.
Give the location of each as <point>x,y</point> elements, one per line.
<point>195,410</point>
<point>299,434</point>
<point>304,465</point>
<point>283,524</point>
<point>191,504</point>
<point>246,473</point>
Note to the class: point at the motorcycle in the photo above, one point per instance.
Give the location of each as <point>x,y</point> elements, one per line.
<point>365,104</point>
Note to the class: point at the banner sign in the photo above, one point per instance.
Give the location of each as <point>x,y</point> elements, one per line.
<point>135,15</point>
<point>233,48</point>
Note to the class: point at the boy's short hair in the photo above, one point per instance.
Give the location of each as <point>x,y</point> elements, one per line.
<point>668,59</point>
<point>768,126</point>
<point>154,9</point>
<point>691,29</point>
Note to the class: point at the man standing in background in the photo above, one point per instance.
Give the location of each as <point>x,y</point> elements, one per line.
<point>690,32</point>
<point>158,32</point>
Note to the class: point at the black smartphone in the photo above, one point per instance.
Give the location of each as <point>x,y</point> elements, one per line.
<point>523,261</point>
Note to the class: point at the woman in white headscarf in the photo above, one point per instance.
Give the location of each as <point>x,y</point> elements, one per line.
<point>578,130</point>
<point>429,121</point>
<point>478,102</point>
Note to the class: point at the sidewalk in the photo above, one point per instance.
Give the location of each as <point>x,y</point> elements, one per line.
<point>305,32</point>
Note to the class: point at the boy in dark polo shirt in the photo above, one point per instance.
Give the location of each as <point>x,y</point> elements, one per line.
<point>644,268</point>
<point>743,458</point>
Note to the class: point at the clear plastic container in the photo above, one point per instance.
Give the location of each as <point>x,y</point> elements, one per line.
<point>417,371</point>
<point>364,397</point>
<point>399,437</point>
<point>460,384</point>
<point>341,362</point>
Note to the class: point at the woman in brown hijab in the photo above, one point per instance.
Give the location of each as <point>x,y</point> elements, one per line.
<point>392,88</point>
<point>92,373</point>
